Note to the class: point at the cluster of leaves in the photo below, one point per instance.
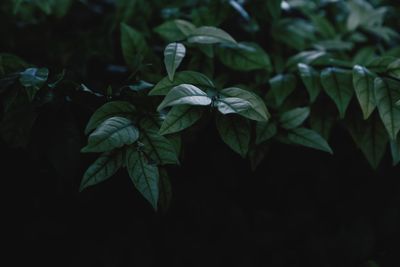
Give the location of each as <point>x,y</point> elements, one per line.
<point>306,67</point>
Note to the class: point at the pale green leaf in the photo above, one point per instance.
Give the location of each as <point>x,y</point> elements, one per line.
<point>227,105</point>
<point>173,56</point>
<point>210,35</point>
<point>258,110</point>
<point>185,77</point>
<point>108,110</point>
<point>34,77</point>
<point>185,94</point>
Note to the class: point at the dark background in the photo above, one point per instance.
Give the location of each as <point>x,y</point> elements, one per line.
<point>299,208</point>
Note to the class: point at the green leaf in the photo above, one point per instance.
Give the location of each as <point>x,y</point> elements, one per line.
<point>210,35</point>
<point>380,64</point>
<point>394,69</point>
<point>185,77</point>
<point>370,136</point>
<point>307,57</point>
<point>108,110</point>
<point>173,56</point>
<point>228,105</point>
<point>112,133</point>
<point>144,175</point>
<point>294,118</point>
<point>309,138</point>
<point>158,148</point>
<point>235,132</point>
<point>387,91</point>
<point>180,118</point>
<point>274,8</point>
<point>265,131</point>
<point>363,82</point>
<point>323,26</point>
<point>175,30</point>
<point>185,94</point>
<point>322,119</point>
<point>282,86</point>
<point>103,168</point>
<point>258,111</point>
<point>310,78</point>
<point>338,84</point>
<point>17,5</point>
<point>244,57</point>
<point>133,45</point>
<point>140,86</point>
<point>164,186</point>
<point>33,79</point>
<point>395,151</point>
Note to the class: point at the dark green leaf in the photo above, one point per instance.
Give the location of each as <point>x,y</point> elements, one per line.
<point>265,131</point>
<point>338,84</point>
<point>308,138</point>
<point>394,69</point>
<point>395,151</point>
<point>387,92</point>
<point>235,132</point>
<point>103,168</point>
<point>175,30</point>
<point>363,82</point>
<point>158,148</point>
<point>274,8</point>
<point>244,57</point>
<point>180,118</point>
<point>322,119</point>
<point>144,175</point>
<point>294,118</point>
<point>311,80</point>
<point>133,45</point>
<point>370,136</point>
<point>282,86</point>
<point>112,133</point>
<point>164,186</point>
